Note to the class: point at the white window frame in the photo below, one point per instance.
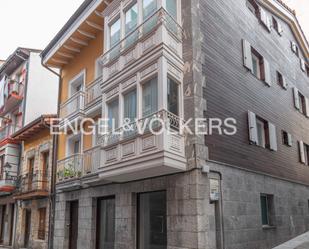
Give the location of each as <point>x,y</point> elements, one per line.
<point>258,66</point>
<point>69,143</point>
<point>261,133</point>
<point>72,82</point>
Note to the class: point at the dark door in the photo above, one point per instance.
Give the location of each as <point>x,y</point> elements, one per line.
<point>27,227</point>
<point>73,226</point>
<point>152,229</point>
<point>105,238</point>
<point>12,223</point>
<point>2,223</point>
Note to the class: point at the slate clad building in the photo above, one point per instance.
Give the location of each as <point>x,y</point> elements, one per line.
<point>178,60</point>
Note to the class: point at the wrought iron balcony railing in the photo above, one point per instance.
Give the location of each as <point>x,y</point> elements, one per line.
<point>7,130</point>
<point>31,182</point>
<point>70,168</point>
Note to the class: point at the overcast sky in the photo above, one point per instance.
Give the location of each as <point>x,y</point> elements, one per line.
<point>33,23</point>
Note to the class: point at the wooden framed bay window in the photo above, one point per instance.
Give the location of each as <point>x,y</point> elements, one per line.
<point>172,96</point>
<point>130,105</point>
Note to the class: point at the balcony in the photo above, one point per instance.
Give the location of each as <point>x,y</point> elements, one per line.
<point>15,97</point>
<point>132,155</point>
<point>8,130</point>
<point>73,108</point>
<point>33,185</point>
<point>93,100</point>
<point>158,29</point>
<point>69,172</point>
<point>7,184</point>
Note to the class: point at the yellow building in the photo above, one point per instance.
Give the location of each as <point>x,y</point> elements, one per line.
<point>35,177</point>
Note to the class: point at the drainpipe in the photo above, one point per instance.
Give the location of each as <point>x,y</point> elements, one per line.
<point>52,200</point>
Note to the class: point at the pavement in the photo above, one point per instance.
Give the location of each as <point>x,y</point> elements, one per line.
<point>300,242</point>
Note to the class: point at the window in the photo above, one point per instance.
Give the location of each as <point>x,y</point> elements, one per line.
<point>275,24</point>
<point>131,19</point>
<point>172,96</point>
<point>115,37</point>
<point>74,145</point>
<point>267,209</point>
<point>130,105</point>
<point>42,223</point>
<point>151,213</point>
<point>105,223</point>
<point>301,102</point>
<point>256,63</point>
<point>171,7</point>
<point>253,7</point>
<point>281,81</point>
<point>150,97</point>
<point>262,130</point>
<point>286,138</point>
<point>307,69</point>
<point>77,83</point>
<point>303,152</point>
<point>113,114</point>
<point>149,8</point>
<point>45,163</point>
<point>294,48</point>
<point>98,68</point>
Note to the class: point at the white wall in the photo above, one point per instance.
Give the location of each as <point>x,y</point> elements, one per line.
<point>42,90</point>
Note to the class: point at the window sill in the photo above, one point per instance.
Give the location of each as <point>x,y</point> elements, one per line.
<point>268,227</point>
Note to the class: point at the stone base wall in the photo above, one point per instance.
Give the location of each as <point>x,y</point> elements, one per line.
<point>34,241</point>
<point>192,220</point>
<point>242,209</point>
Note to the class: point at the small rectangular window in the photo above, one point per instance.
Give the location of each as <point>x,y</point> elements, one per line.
<point>302,103</point>
<point>262,132</point>
<point>267,209</point>
<point>280,79</point>
<point>130,106</point>
<point>258,65</point>
<point>253,7</point>
<point>306,149</point>
<point>307,69</point>
<point>286,138</point>
<point>275,24</point>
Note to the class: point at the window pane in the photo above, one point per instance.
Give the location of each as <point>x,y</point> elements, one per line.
<point>130,105</point>
<point>264,210</point>
<point>171,6</point>
<point>131,18</point>
<point>113,114</point>
<point>106,224</point>
<point>115,33</point>
<point>172,96</point>
<point>149,8</point>
<point>152,220</point>
<point>115,38</point>
<point>150,97</point>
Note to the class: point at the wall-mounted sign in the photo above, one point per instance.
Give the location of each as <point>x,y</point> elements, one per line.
<point>214,189</point>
